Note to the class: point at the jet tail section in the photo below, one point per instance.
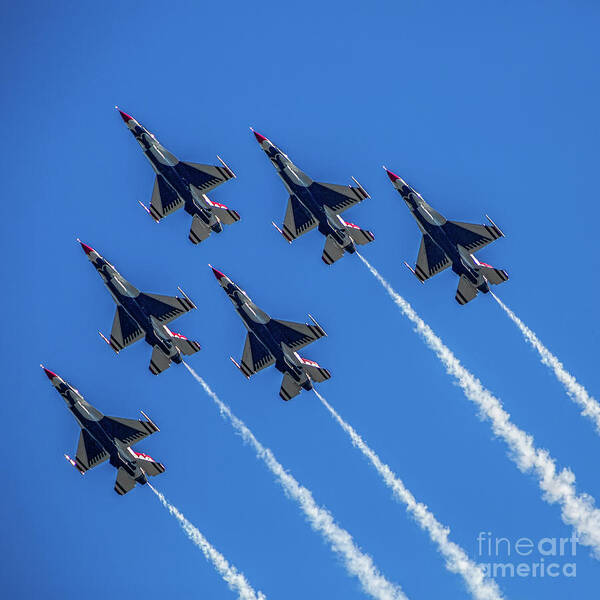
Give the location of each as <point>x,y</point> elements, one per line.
<point>124,483</point>
<point>150,466</point>
<point>315,371</point>
<point>159,361</point>
<point>466,291</point>
<point>493,275</point>
<point>186,347</point>
<point>332,251</point>
<point>199,230</point>
<point>360,236</point>
<point>289,387</point>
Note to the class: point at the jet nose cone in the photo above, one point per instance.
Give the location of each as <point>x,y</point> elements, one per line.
<point>49,373</point>
<point>217,273</point>
<point>259,138</point>
<point>393,177</point>
<point>124,115</point>
<point>87,249</point>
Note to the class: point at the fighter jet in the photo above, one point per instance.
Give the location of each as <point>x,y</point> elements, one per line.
<point>273,342</point>
<point>312,204</point>
<point>183,184</point>
<point>108,438</point>
<point>141,315</point>
<point>450,243</point>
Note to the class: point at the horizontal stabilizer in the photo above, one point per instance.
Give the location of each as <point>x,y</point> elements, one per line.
<point>493,275</point>
<point>151,467</point>
<point>315,371</point>
<point>159,361</point>
<point>227,216</point>
<point>332,251</point>
<point>199,230</point>
<point>289,387</point>
<point>125,482</point>
<point>186,347</point>
<point>360,236</point>
<point>466,291</point>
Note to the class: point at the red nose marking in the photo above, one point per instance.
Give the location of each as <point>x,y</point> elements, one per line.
<point>125,116</point>
<point>217,273</point>
<point>86,248</point>
<point>49,373</point>
<point>393,177</point>
<point>259,138</point>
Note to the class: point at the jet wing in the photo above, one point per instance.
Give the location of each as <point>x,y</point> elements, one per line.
<point>431,260</point>
<point>338,197</point>
<point>255,357</point>
<point>471,237</point>
<point>159,361</point>
<point>165,308</point>
<point>128,431</point>
<point>125,331</point>
<point>297,220</point>
<point>331,252</point>
<point>89,452</point>
<point>295,335</point>
<point>164,200</point>
<point>204,177</point>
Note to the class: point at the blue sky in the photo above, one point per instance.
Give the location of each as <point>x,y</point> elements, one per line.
<point>484,108</point>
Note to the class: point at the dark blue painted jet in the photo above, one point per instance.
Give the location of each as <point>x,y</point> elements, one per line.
<point>108,438</point>
<point>312,204</point>
<point>450,243</point>
<point>141,315</point>
<point>273,342</point>
<point>183,184</point>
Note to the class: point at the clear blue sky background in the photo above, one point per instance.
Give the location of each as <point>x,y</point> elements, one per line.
<point>484,107</point>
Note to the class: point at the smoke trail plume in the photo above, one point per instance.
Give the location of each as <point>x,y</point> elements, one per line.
<point>575,390</point>
<point>235,580</point>
<point>577,511</point>
<point>457,561</point>
<point>356,562</point>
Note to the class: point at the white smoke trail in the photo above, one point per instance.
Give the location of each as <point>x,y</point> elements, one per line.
<point>235,580</point>
<point>457,561</point>
<point>575,390</point>
<point>356,562</point>
<point>577,511</point>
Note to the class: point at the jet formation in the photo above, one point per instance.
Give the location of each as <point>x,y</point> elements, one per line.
<point>108,438</point>
<point>269,342</point>
<point>141,315</point>
<point>450,243</point>
<point>274,342</point>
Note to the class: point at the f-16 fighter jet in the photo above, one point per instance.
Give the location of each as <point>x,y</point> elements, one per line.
<point>272,342</point>
<point>312,204</point>
<point>145,316</point>
<point>108,438</point>
<point>450,243</point>
<point>183,184</point>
